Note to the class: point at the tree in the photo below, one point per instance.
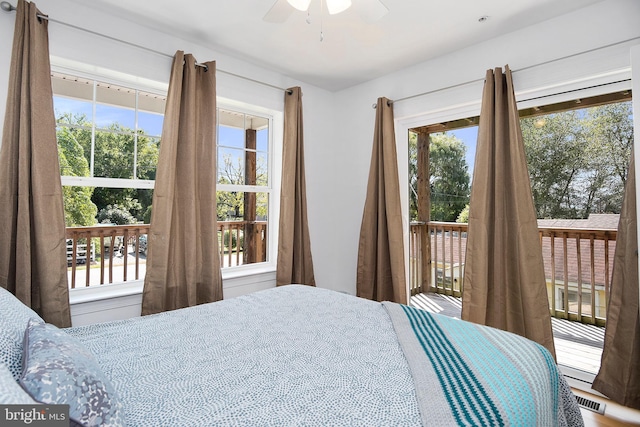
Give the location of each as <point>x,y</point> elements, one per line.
<point>448,176</point>
<point>554,146</point>
<point>114,214</point>
<point>610,130</point>
<point>113,157</point>
<point>464,215</point>
<point>79,209</point>
<point>578,160</point>
<point>230,204</point>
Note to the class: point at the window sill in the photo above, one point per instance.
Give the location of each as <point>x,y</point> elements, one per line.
<point>232,278</point>
<point>107,291</point>
<point>247,271</point>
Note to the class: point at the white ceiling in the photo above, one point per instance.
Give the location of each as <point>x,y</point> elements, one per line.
<point>353,51</point>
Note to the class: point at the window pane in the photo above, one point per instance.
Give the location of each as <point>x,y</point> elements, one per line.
<point>230,137</point>
<point>262,170</point>
<point>115,105</point>
<point>148,151</point>
<point>242,227</point>
<point>79,209</point>
<point>231,166</point>
<point>114,118</point>
<point>74,151</point>
<point>578,160</point>
<point>86,206</point>
<point>72,111</point>
<point>113,155</point>
<point>150,123</point>
<point>262,140</point>
<point>241,206</point>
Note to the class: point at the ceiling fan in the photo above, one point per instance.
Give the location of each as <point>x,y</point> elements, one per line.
<point>369,10</point>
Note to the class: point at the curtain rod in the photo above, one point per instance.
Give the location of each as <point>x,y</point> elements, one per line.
<point>512,72</point>
<point>8,7</point>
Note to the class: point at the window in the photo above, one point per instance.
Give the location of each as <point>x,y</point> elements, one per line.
<point>243,186</point>
<point>108,145</point>
<point>578,154</point>
<point>109,136</point>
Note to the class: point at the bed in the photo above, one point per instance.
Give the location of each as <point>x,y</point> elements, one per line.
<point>287,356</point>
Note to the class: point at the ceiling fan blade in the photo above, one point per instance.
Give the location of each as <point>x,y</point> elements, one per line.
<point>279,12</point>
<point>371,10</point>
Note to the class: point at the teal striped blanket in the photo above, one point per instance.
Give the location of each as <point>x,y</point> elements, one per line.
<point>472,375</point>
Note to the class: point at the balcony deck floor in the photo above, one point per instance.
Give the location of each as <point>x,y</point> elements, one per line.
<point>578,345</point>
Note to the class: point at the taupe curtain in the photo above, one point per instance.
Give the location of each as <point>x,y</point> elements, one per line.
<point>33,255</point>
<point>183,262</point>
<point>619,376</point>
<point>381,269</point>
<point>504,280</point>
<point>295,264</point>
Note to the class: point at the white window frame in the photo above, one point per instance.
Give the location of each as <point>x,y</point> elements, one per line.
<point>276,131</point>
<point>274,174</point>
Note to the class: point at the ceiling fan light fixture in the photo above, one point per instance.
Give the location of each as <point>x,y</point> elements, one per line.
<point>300,4</point>
<point>337,6</point>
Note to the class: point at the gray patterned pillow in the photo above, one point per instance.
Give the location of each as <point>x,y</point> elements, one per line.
<point>58,369</point>
<point>10,391</point>
<point>14,317</point>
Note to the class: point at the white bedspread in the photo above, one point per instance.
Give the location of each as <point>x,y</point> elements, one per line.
<point>289,356</point>
<point>302,356</point>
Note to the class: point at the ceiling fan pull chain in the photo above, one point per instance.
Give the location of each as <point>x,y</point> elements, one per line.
<point>321,13</point>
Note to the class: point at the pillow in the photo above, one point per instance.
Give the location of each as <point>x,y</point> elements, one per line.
<point>14,316</point>
<point>10,391</point>
<point>58,369</point>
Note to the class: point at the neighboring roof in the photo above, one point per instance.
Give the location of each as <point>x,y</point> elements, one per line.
<point>594,222</point>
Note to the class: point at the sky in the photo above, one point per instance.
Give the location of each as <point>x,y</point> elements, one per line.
<point>469,136</point>
<point>150,123</point>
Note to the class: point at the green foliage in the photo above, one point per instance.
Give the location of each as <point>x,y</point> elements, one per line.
<point>413,176</point>
<point>146,217</point>
<point>79,209</point>
<point>113,158</point>
<point>464,215</point>
<point>449,179</point>
<point>578,160</point>
<point>230,204</point>
<point>114,214</point>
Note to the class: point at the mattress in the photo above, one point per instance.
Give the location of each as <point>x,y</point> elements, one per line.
<point>303,356</point>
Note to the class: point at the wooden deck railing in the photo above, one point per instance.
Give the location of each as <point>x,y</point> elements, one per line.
<point>117,253</point>
<point>242,242</point>
<point>103,244</point>
<point>577,262</point>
